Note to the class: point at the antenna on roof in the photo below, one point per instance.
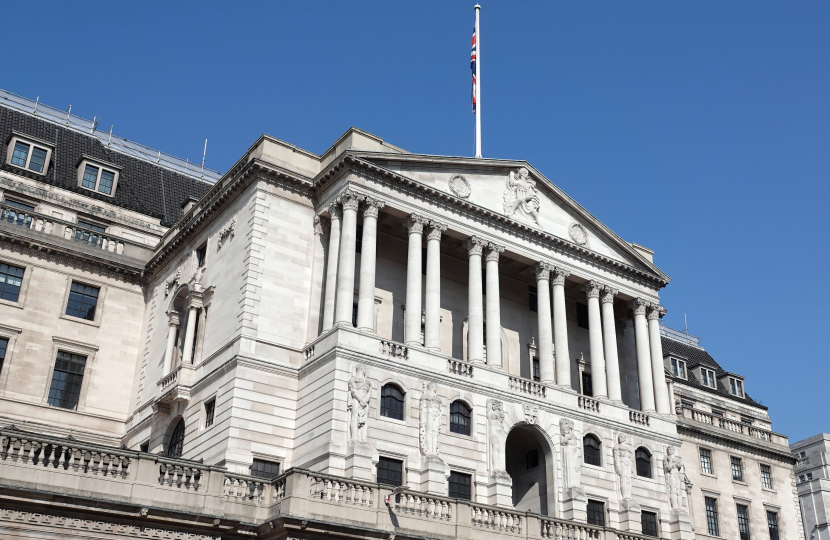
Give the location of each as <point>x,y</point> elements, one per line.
<point>67,114</point>
<point>109,141</point>
<point>686,324</point>
<point>37,102</point>
<point>204,154</point>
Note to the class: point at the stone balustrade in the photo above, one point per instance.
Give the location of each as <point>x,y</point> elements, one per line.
<point>65,454</point>
<point>428,506</point>
<point>589,404</point>
<point>241,487</point>
<point>459,367</point>
<point>494,518</point>
<point>526,386</point>
<point>393,349</point>
<point>566,530</point>
<point>169,380</point>
<point>734,426</point>
<point>173,472</point>
<point>638,417</point>
<point>342,490</point>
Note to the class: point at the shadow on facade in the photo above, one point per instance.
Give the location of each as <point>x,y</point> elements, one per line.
<point>530,463</point>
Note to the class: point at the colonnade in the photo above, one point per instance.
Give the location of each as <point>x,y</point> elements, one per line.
<point>483,299</point>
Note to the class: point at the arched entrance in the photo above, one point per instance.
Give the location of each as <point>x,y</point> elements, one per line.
<point>530,462</point>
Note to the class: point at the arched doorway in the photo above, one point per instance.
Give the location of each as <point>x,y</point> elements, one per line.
<point>530,462</point>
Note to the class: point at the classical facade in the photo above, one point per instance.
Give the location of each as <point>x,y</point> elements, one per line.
<point>366,343</point>
<point>812,470</point>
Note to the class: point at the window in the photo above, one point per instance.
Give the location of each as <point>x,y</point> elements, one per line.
<point>802,478</point>
<point>460,485</point>
<point>678,368</point>
<point>707,377</point>
<point>743,521</point>
<point>532,298</point>
<point>30,156</point>
<point>596,513</point>
<point>591,450</point>
<point>772,525</point>
<point>390,471</point>
<point>460,418</point>
<point>89,236</point>
<point>706,461</point>
<point>210,411</point>
<point>265,469</point>
<point>737,469</point>
<point>802,455</point>
<point>687,404</point>
<point>65,390</point>
<point>766,476</point>
<point>144,447</point>
<point>712,516</point>
<point>82,301</point>
<point>537,376</point>
<point>746,421</point>
<point>582,315</point>
<point>11,277</point>
<point>736,387</point>
<point>4,344</point>
<point>718,413</point>
<point>643,459</point>
<point>176,444</point>
<point>649,520</point>
<point>809,476</point>
<point>98,179</point>
<point>391,402</point>
<point>532,459</point>
<point>587,384</point>
<point>201,255</point>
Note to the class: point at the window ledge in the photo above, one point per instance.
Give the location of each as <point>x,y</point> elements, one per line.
<point>595,467</point>
<point>80,320</point>
<point>768,490</point>
<point>9,303</point>
<point>708,475</point>
<point>393,420</point>
<point>740,482</point>
<point>459,435</point>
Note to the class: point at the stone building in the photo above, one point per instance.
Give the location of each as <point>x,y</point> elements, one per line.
<point>812,470</point>
<point>365,343</point>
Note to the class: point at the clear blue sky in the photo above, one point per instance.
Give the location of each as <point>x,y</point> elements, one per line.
<point>698,129</point>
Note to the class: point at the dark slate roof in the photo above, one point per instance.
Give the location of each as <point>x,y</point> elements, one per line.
<point>142,186</point>
<point>695,356</point>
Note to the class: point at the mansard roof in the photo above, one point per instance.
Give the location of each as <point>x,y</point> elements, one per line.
<point>143,186</point>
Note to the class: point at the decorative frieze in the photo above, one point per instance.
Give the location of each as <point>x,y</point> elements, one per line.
<point>226,233</point>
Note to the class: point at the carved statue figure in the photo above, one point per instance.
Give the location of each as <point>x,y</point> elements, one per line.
<point>623,453</point>
<point>359,389</point>
<point>571,458</point>
<point>495,421</point>
<point>430,421</point>
<point>676,480</point>
<point>521,194</point>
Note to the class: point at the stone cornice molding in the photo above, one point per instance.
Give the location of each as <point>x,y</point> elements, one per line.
<point>592,288</point>
<point>415,224</point>
<point>492,252</point>
<point>608,294</point>
<point>543,270</point>
<point>475,245</point>
<point>733,442</point>
<point>638,306</point>
<point>655,311</point>
<point>559,275</point>
<point>436,229</point>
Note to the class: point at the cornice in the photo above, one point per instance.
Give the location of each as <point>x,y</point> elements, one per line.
<point>700,431</point>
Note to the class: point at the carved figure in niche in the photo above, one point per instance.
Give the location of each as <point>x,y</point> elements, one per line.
<point>521,194</point>
<point>571,457</point>
<point>676,480</point>
<point>623,453</point>
<point>495,423</point>
<point>359,390</point>
<point>430,420</point>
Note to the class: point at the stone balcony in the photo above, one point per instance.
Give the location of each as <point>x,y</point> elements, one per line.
<point>67,487</point>
<point>175,386</point>
<point>732,428</point>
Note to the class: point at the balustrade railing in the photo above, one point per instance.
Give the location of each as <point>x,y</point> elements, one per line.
<point>639,418</point>
<point>241,487</point>
<point>526,386</point>
<point>459,367</point>
<point>427,506</point>
<point>730,425</point>
<point>497,519</point>
<point>394,349</point>
<point>180,474</point>
<point>308,352</point>
<point>589,404</point>
<point>568,530</point>
<point>170,379</point>
<point>341,490</point>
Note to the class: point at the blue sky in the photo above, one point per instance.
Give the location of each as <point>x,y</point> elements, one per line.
<point>698,129</point>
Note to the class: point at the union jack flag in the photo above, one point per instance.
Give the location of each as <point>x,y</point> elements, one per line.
<point>473,68</point>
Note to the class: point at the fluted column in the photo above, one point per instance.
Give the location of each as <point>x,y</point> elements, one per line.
<point>545,323</point>
<point>493,304</point>
<point>345,266</point>
<point>638,306</point>
<point>560,329</point>
<point>368,263</point>
<point>412,330</point>
<point>331,267</point>
<point>432,303</point>
<point>609,330</point>
<point>475,314</point>
<point>187,356</point>
<point>172,330</point>
<point>598,375</point>
<point>661,390</point>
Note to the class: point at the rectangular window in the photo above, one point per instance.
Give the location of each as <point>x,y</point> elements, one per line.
<point>88,236</point>
<point>201,255</point>
<point>532,459</point>
<point>746,421</point>
<point>596,513</point>
<point>766,476</point>
<point>587,384</point>
<point>802,478</point>
<point>21,154</point>
<point>210,410</point>
<point>772,525</point>
<point>712,516</point>
<point>65,390</point>
<point>706,461</point>
<point>649,520</point>
<point>581,315</point>
<point>736,387</point>
<point>687,404</point>
<point>743,522</point>
<point>537,375</point>
<point>737,468</point>
<point>11,277</point>
<point>717,413</point>
<point>533,298</point>
<point>90,177</point>
<point>265,469</point>
<point>390,471</point>
<point>4,344</point>
<point>460,485</point>
<point>809,476</point>
<point>82,301</point>
<point>678,368</point>
<point>28,156</point>
<point>98,178</point>
<point>106,181</point>
<point>707,378</point>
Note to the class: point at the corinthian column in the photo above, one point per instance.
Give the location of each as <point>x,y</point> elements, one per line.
<point>331,267</point>
<point>609,330</point>
<point>432,304</point>
<point>412,330</point>
<point>475,316</point>
<point>493,319</point>
<point>368,262</point>
<point>560,329</point>
<point>544,322</point>
<point>345,269</point>
<point>638,306</point>
<point>661,390</point>
<point>598,376</point>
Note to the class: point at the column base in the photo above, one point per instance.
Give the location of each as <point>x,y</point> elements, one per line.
<point>630,516</point>
<point>680,525</point>
<point>360,461</point>
<point>575,505</point>
<point>434,474</point>
<point>500,489</point>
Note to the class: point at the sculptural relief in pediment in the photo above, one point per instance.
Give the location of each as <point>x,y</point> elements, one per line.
<point>521,198</point>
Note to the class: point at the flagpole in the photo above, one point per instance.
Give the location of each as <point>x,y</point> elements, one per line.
<point>478,85</point>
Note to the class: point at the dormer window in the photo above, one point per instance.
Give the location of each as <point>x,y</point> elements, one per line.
<point>678,368</point>
<point>29,153</point>
<point>97,176</point>
<point>736,387</point>
<point>707,378</point>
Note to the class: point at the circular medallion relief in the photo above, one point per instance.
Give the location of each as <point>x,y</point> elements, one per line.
<point>460,186</point>
<point>578,234</point>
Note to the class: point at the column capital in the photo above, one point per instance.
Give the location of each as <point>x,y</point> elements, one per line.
<point>415,223</point>
<point>435,230</point>
<point>371,206</point>
<point>559,275</point>
<point>493,251</point>
<point>474,245</point>
<point>608,294</point>
<point>592,288</point>
<point>350,199</point>
<point>542,270</point>
<point>655,311</point>
<point>173,319</point>
<point>335,213</point>
<point>639,305</point>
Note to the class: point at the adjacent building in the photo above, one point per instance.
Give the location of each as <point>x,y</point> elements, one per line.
<point>813,483</point>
